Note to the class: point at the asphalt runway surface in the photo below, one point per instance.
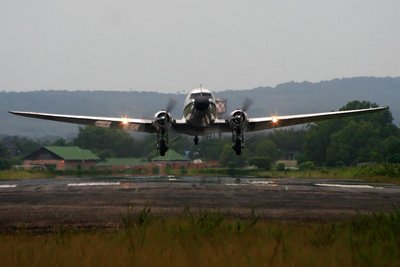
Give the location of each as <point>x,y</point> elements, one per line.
<point>102,202</point>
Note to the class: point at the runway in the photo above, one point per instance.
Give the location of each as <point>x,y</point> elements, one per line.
<point>102,201</point>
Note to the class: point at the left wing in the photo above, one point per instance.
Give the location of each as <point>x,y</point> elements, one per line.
<point>257,124</point>
<point>140,125</point>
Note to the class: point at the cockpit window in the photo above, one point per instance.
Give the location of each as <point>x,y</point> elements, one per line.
<point>192,96</point>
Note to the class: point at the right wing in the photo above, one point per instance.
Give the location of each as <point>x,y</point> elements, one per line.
<point>258,124</point>
<point>140,125</point>
<point>264,123</point>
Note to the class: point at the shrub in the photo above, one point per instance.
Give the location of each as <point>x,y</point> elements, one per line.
<point>5,164</point>
<point>156,170</point>
<point>261,162</point>
<point>183,170</point>
<point>308,165</point>
<point>301,158</point>
<point>280,167</point>
<point>339,164</point>
<point>384,170</point>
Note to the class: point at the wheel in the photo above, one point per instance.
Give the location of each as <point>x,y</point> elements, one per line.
<point>163,147</point>
<point>237,146</point>
<point>162,153</point>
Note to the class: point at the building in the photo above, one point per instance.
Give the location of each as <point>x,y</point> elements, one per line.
<point>171,160</point>
<point>122,164</point>
<point>61,158</point>
<point>171,156</point>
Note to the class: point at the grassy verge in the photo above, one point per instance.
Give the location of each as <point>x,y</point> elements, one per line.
<point>21,174</point>
<point>378,173</point>
<point>210,239</point>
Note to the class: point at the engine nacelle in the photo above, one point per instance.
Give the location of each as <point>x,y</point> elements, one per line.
<point>162,120</point>
<point>238,118</point>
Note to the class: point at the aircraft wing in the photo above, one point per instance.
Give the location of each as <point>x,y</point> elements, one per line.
<point>141,125</point>
<point>257,124</point>
<point>145,125</point>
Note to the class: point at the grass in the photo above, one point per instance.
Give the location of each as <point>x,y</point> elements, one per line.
<point>377,173</point>
<point>210,239</point>
<point>22,174</point>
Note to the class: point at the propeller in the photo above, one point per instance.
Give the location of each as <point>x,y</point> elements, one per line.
<point>247,104</point>
<point>170,105</point>
<point>164,117</point>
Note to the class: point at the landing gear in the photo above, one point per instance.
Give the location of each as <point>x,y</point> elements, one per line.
<point>196,140</point>
<point>237,141</point>
<point>162,142</point>
<point>237,146</point>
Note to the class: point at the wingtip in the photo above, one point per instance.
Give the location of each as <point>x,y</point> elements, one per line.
<point>15,112</point>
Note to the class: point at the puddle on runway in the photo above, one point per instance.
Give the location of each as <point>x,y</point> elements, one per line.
<point>192,180</point>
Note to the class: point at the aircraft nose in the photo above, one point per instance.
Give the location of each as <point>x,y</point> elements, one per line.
<point>201,103</point>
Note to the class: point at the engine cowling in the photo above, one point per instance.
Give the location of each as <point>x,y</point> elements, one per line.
<point>162,120</point>
<point>238,118</point>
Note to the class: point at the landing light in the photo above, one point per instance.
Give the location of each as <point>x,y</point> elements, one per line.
<point>275,119</point>
<point>125,120</point>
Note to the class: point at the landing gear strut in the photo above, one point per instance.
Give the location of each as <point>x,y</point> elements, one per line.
<point>162,142</point>
<point>237,141</point>
<point>196,140</point>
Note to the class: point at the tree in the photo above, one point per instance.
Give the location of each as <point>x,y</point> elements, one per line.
<point>353,143</point>
<point>4,161</point>
<point>18,146</point>
<point>3,151</point>
<point>308,165</point>
<point>351,140</point>
<point>229,159</point>
<point>261,162</point>
<point>211,148</point>
<point>288,140</point>
<point>391,149</point>
<point>109,142</point>
<point>59,142</point>
<point>267,148</point>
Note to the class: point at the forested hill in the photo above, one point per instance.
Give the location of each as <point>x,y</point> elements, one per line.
<point>284,99</point>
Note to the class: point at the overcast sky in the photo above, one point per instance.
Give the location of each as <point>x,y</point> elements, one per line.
<point>171,45</point>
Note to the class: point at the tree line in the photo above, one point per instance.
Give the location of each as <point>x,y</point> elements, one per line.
<point>340,142</point>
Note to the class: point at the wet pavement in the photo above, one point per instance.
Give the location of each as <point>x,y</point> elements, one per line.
<point>102,201</point>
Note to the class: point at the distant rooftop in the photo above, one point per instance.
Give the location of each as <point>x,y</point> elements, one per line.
<point>72,153</point>
<point>171,155</point>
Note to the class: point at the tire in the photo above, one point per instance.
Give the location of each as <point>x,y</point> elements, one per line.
<point>237,147</point>
<point>163,147</point>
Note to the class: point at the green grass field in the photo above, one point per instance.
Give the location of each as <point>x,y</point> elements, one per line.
<point>210,239</point>
<point>378,173</point>
<point>21,174</point>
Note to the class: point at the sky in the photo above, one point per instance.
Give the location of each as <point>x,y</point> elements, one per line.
<point>175,45</point>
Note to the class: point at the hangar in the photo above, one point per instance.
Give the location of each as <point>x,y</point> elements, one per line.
<point>62,158</point>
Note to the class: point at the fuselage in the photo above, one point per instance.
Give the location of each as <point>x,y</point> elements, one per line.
<point>200,108</point>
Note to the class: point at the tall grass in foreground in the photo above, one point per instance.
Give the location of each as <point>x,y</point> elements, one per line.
<point>210,239</point>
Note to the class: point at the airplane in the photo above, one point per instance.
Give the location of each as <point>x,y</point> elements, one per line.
<point>199,119</point>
